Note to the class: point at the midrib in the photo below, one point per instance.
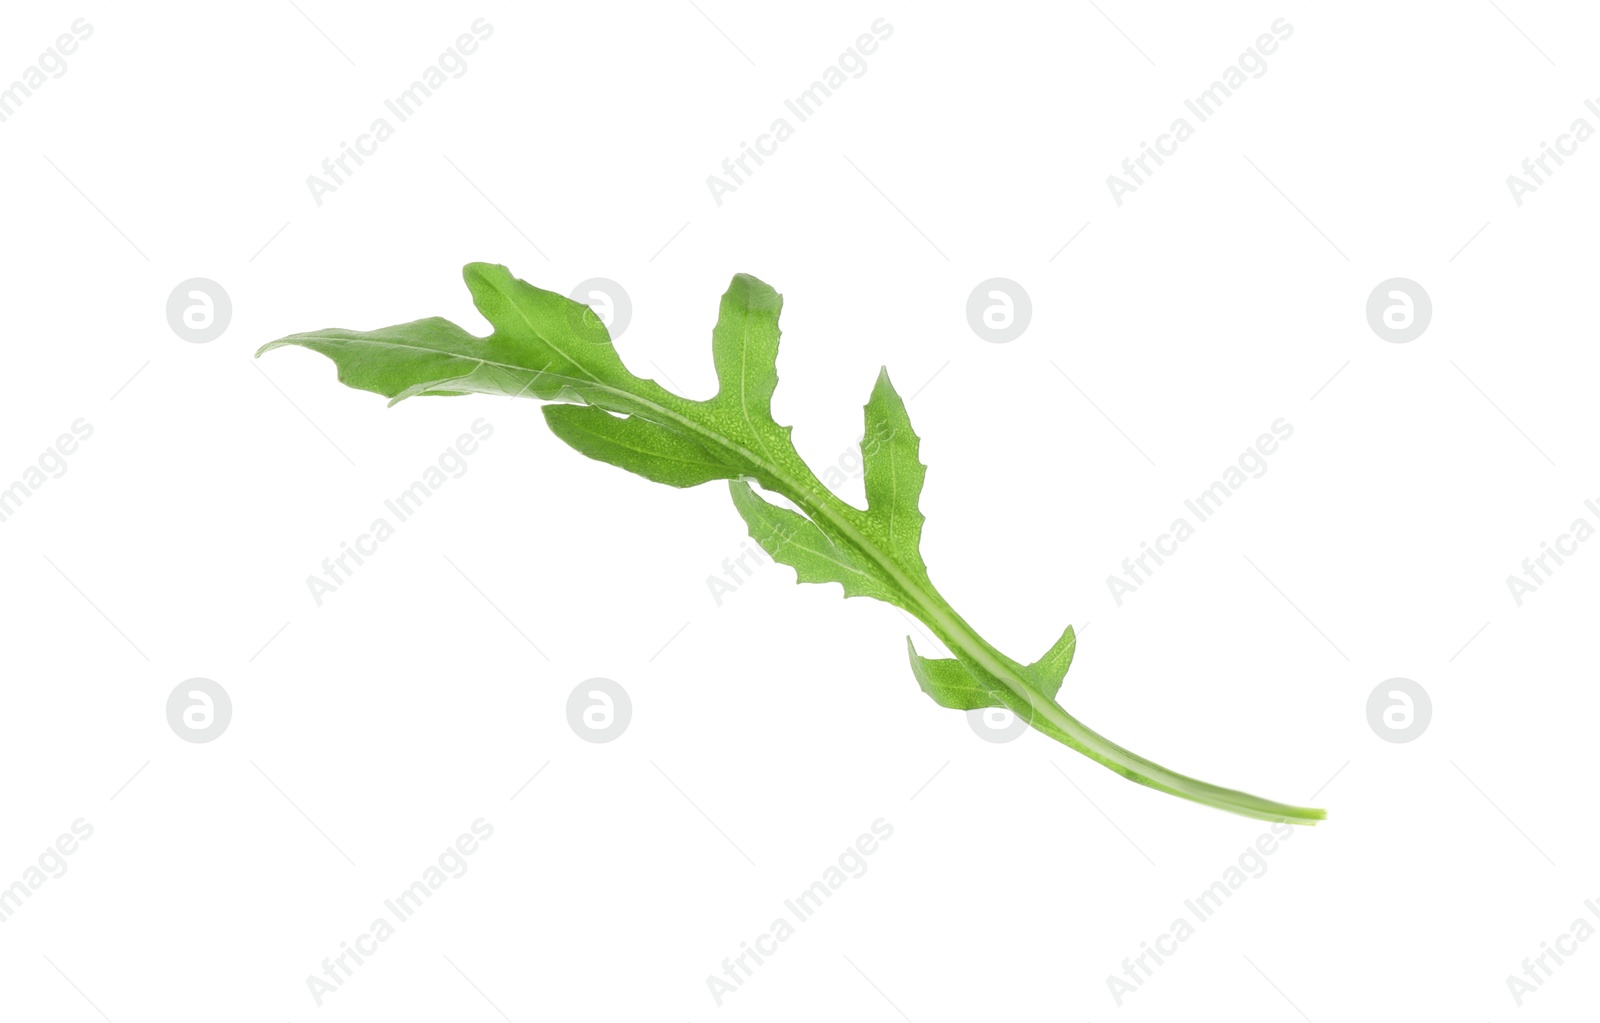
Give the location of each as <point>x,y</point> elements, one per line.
<point>935,612</point>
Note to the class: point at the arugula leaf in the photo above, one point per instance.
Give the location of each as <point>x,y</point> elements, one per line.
<point>953,686</point>
<point>546,346</point>
<point>893,473</point>
<point>802,545</point>
<point>638,445</point>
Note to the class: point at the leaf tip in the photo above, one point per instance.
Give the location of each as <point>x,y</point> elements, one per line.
<point>753,293</point>
<point>476,270</point>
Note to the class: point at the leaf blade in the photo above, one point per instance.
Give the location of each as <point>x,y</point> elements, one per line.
<point>637,445</point>
<point>952,684</point>
<point>1051,669</point>
<point>744,349</point>
<point>391,360</point>
<point>795,540</point>
<point>893,472</point>
<point>948,682</point>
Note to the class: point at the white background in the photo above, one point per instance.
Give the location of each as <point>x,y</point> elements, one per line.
<point>769,732</point>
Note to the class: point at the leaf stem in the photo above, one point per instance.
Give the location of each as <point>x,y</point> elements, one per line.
<point>1034,707</point>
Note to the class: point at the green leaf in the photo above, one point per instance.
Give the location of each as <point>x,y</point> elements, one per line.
<point>1052,667</point>
<point>744,347</point>
<point>893,473</point>
<point>422,357</point>
<point>544,346</point>
<point>952,685</point>
<point>637,445</point>
<point>795,540</point>
<point>548,333</point>
<point>949,682</point>
<point>548,347</point>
